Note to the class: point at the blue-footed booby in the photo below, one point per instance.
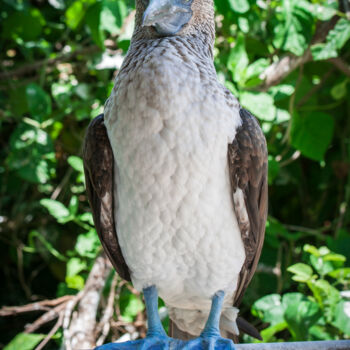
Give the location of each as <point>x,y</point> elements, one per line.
<point>176,175</point>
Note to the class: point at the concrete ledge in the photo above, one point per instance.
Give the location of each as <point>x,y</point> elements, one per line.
<point>310,345</point>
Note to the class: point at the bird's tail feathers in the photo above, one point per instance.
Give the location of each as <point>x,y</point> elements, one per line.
<point>228,320</point>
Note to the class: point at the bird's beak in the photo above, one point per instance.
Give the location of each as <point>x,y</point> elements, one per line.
<point>156,11</point>
<point>167,16</point>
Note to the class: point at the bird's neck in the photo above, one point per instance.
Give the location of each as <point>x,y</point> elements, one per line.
<point>200,43</point>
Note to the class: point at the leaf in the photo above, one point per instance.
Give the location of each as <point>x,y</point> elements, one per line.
<point>76,12</point>
<point>132,309</point>
<point>93,20</point>
<point>24,341</point>
<point>73,205</point>
<point>269,309</point>
<point>338,91</point>
<point>88,244</point>
<point>56,209</point>
<point>243,24</point>
<point>268,333</point>
<point>282,116</point>
<point>336,39</point>
<point>75,266</point>
<point>256,68</point>
<point>31,154</point>
<point>26,25</point>
<point>311,250</point>
<point>301,271</point>
<point>294,32</point>
<point>321,333</point>
<point>57,4</point>
<point>300,314</point>
<point>113,14</point>
<point>260,104</point>
<point>75,282</point>
<point>311,134</point>
<point>326,296</point>
<point>323,51</point>
<point>282,91</point>
<point>87,217</point>
<point>76,163</point>
<point>323,13</point>
<point>238,59</point>
<point>39,102</point>
<point>62,94</point>
<point>239,6</point>
<point>342,317</point>
<point>342,274</point>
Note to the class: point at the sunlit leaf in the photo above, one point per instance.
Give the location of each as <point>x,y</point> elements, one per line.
<point>342,317</point>
<point>294,33</point>
<point>260,104</point>
<point>75,266</point>
<point>336,39</point>
<point>75,282</point>
<point>88,244</point>
<point>55,208</point>
<point>302,271</point>
<point>269,309</point>
<point>112,15</point>
<point>239,6</point>
<point>133,307</point>
<point>24,341</point>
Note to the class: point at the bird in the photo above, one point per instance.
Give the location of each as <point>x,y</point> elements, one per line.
<point>176,176</point>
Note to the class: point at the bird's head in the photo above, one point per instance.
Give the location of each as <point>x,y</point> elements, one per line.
<point>157,18</point>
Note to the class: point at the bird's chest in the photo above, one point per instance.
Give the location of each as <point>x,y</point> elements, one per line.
<point>169,136</point>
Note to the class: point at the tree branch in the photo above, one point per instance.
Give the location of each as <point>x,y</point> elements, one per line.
<point>279,70</point>
<point>79,334</point>
<point>37,306</point>
<point>341,65</point>
<point>29,68</point>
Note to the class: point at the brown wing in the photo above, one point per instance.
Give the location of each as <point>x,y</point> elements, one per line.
<point>247,158</point>
<point>99,168</point>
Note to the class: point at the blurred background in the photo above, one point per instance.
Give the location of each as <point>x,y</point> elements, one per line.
<point>288,61</point>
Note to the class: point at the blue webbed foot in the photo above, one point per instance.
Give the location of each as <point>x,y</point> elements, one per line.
<point>210,338</point>
<point>157,339</point>
<point>149,343</point>
<point>209,343</point>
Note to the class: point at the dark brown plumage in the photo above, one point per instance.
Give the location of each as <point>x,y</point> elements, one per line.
<point>98,169</point>
<point>247,159</point>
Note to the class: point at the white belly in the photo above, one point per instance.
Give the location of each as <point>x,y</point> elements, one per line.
<point>175,220</point>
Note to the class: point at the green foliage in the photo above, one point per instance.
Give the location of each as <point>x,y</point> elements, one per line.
<point>308,137</point>
<point>321,315</point>
<point>58,62</point>
<point>24,341</point>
